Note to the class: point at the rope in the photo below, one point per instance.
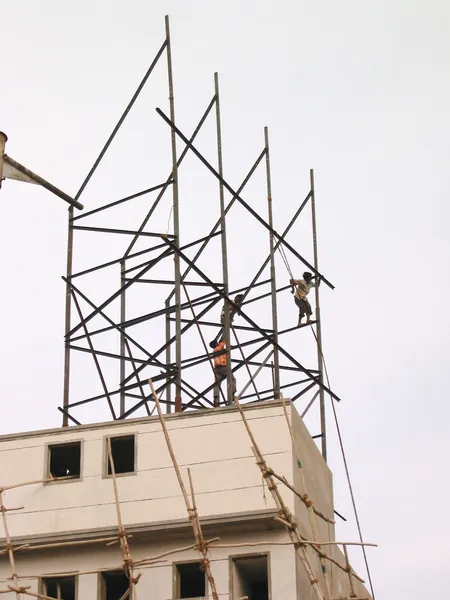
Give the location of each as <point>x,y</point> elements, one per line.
<point>347,472</point>
<point>285,260</point>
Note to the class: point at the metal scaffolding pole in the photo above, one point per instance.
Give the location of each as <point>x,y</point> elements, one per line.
<point>176,226</point>
<point>168,357</point>
<point>323,427</point>
<point>122,336</point>
<point>273,282</point>
<point>226,314</point>
<point>67,319</point>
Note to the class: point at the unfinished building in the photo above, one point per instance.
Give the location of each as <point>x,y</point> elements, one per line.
<point>174,495</point>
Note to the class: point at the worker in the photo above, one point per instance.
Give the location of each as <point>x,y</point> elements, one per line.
<point>301,291</point>
<point>239,299</point>
<point>220,370</point>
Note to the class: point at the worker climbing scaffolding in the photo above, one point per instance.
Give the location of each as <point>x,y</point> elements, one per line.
<point>233,309</point>
<point>219,346</point>
<point>220,369</point>
<point>302,287</point>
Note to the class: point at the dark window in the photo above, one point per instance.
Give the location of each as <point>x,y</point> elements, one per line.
<point>190,581</point>
<point>59,587</point>
<point>115,584</point>
<point>65,460</point>
<point>251,577</point>
<point>122,449</point>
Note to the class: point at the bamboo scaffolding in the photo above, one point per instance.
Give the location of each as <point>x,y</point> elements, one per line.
<point>305,498</point>
<point>283,511</point>
<point>192,510</point>
<point>284,514</point>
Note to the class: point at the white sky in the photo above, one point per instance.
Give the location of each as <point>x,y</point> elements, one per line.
<point>357,90</point>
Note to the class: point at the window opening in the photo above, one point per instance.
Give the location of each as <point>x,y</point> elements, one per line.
<point>59,587</point>
<point>122,450</point>
<point>65,460</point>
<point>191,581</point>
<point>115,584</point>
<point>251,577</point>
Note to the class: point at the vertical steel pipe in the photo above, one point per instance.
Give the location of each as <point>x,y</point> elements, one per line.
<point>323,428</point>
<point>122,336</point>
<point>176,226</point>
<point>168,358</point>
<point>67,326</point>
<point>226,321</point>
<point>273,281</point>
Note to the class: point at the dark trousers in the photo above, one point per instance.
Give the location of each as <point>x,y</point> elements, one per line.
<point>220,373</point>
<point>304,307</point>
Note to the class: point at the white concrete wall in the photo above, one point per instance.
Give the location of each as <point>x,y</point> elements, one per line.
<point>157,581</point>
<point>214,444</point>
<point>216,447</point>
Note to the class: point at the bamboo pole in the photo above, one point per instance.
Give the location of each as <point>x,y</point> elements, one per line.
<point>29,548</point>
<point>127,560</point>
<point>349,571</point>
<point>202,547</point>
<point>192,510</point>
<point>9,546</point>
<point>143,561</point>
<point>308,542</point>
<point>303,497</point>
<point>33,482</point>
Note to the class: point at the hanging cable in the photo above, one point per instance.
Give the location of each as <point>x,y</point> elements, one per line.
<point>347,472</point>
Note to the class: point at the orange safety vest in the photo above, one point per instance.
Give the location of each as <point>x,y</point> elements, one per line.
<point>221,360</point>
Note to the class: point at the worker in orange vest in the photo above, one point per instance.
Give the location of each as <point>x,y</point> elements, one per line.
<point>220,369</point>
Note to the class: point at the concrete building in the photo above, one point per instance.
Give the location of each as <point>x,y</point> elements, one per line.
<point>233,504</point>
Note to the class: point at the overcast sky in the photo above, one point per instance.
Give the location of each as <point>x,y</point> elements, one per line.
<point>357,90</point>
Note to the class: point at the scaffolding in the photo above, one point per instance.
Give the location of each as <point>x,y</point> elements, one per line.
<point>157,345</point>
<point>194,298</point>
